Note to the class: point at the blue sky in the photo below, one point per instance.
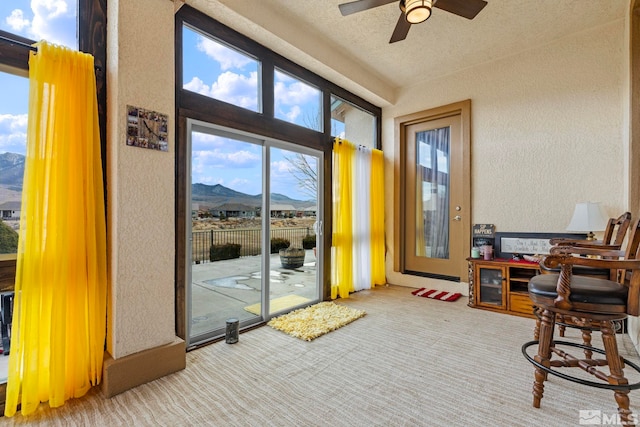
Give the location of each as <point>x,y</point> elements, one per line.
<point>210,69</point>
<point>215,70</point>
<point>52,20</point>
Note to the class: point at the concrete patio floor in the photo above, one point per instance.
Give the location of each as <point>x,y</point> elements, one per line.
<point>223,289</point>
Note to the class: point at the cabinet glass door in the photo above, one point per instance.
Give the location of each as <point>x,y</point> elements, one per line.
<point>490,286</point>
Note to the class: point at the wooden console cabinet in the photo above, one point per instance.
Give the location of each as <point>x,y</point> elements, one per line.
<point>501,285</point>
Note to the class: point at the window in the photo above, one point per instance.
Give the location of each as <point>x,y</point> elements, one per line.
<point>13,138</point>
<point>213,69</point>
<point>26,21</point>
<point>297,102</point>
<point>351,122</point>
<point>55,22</point>
<point>289,111</point>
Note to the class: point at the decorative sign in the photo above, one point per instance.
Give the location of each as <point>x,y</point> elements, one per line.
<point>483,235</point>
<point>525,246</point>
<point>484,230</point>
<point>146,129</point>
<point>508,244</point>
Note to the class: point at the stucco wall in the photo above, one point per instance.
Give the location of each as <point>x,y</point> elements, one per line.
<point>141,196</point>
<point>547,132</point>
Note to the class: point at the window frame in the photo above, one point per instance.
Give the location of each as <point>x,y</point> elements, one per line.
<point>190,105</point>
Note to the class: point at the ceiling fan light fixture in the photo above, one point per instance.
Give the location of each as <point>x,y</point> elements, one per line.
<point>417,11</point>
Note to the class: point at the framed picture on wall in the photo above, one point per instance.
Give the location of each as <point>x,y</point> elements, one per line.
<point>146,129</point>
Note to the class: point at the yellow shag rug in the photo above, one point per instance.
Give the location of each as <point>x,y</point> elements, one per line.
<point>311,322</point>
<point>278,304</point>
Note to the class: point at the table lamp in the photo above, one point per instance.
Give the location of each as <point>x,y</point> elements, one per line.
<point>588,217</point>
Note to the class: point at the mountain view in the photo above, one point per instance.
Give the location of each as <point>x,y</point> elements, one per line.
<point>12,171</point>
<point>217,195</point>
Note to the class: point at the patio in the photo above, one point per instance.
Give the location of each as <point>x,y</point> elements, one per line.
<point>227,289</point>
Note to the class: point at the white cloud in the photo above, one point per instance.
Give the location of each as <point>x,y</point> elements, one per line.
<point>220,159</point>
<point>205,141</point>
<point>225,56</point>
<point>50,20</point>
<point>293,113</point>
<point>13,133</point>
<point>290,91</point>
<point>237,89</point>
<point>230,87</point>
<point>281,166</point>
<point>239,184</point>
<point>17,21</point>
<point>296,102</point>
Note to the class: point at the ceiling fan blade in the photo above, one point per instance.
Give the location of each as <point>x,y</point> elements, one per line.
<point>401,30</point>
<point>465,8</point>
<point>360,5</point>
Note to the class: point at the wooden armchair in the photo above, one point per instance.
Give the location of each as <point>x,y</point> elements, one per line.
<point>613,238</point>
<point>597,300</point>
<point>614,234</point>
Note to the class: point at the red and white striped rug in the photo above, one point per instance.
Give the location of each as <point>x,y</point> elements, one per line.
<point>434,294</point>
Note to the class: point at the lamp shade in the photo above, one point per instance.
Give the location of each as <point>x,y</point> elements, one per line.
<point>588,216</point>
<point>417,11</point>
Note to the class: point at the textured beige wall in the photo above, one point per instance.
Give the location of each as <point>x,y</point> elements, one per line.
<point>141,192</point>
<point>547,132</point>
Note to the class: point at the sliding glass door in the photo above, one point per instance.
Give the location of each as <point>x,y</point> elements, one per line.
<point>250,256</point>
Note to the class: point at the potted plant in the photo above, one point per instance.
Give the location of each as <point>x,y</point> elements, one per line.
<point>291,258</point>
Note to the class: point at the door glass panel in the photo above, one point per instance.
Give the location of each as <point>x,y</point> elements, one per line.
<point>226,230</point>
<point>490,286</point>
<point>432,193</point>
<point>293,221</point>
<point>236,233</point>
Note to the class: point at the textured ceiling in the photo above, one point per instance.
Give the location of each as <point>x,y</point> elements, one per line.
<point>355,49</point>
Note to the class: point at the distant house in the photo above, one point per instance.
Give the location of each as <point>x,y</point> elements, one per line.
<point>10,210</point>
<point>234,210</point>
<point>283,211</point>
<point>310,211</point>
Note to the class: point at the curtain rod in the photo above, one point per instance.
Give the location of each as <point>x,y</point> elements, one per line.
<point>31,48</point>
<point>19,43</point>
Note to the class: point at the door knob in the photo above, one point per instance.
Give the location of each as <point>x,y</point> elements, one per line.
<point>457,218</point>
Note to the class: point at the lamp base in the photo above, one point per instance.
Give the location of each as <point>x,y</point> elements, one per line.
<point>591,236</point>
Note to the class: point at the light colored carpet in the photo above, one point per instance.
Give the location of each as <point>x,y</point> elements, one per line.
<point>311,322</point>
<point>409,362</point>
<point>278,304</point>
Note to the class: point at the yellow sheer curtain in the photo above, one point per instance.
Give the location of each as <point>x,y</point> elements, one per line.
<point>378,275</point>
<point>344,211</point>
<point>341,251</point>
<point>59,319</point>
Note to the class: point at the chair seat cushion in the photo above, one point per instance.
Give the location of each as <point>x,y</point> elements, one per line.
<point>583,289</point>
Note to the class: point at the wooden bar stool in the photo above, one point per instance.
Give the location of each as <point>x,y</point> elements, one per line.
<point>612,239</point>
<point>595,300</point>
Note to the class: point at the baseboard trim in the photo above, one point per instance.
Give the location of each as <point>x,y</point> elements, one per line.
<point>120,375</point>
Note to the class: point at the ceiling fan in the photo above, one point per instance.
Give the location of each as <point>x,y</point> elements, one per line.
<point>416,11</point>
